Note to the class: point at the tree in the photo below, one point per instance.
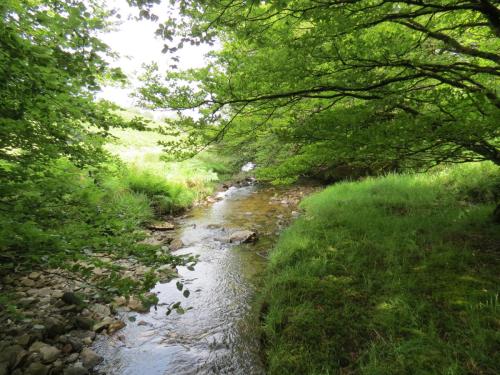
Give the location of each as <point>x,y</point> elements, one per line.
<point>51,66</point>
<point>378,83</point>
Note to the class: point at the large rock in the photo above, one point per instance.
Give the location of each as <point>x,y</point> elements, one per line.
<point>243,236</point>
<point>90,358</point>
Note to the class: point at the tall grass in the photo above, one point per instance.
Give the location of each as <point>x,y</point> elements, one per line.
<point>391,275</point>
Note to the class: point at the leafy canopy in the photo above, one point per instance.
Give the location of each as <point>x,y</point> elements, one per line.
<point>313,84</point>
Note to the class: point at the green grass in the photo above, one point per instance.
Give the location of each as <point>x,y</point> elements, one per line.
<point>391,275</point>
<point>172,185</point>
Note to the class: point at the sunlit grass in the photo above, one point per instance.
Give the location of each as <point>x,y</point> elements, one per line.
<point>392,275</point>
<point>171,185</point>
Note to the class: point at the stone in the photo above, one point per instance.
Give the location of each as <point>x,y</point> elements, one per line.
<point>116,326</point>
<point>135,304</point>
<point>77,369</point>
<point>12,356</point>
<point>54,327</point>
<point>24,340</point>
<point>49,354</point>
<point>73,357</point>
<point>90,358</point>
<point>98,327</point>
<point>100,310</point>
<point>84,322</point>
<point>161,226</point>
<point>120,301</point>
<point>243,236</point>
<point>34,275</point>
<point>27,282</point>
<point>71,298</point>
<point>176,244</point>
<point>36,368</point>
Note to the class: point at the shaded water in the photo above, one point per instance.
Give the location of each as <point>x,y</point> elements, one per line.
<point>219,334</point>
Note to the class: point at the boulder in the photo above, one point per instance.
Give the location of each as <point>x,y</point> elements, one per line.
<point>90,358</point>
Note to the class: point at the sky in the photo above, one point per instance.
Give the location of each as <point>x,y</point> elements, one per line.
<point>137,44</point>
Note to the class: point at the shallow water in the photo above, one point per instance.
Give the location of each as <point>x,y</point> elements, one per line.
<point>219,334</point>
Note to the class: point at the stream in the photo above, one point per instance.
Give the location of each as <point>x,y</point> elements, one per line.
<point>218,334</point>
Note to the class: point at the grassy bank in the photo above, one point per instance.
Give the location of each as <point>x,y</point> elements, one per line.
<point>392,275</point>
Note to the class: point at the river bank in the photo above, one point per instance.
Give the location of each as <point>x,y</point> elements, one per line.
<point>389,275</point>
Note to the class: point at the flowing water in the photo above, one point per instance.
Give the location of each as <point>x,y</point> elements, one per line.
<point>218,334</point>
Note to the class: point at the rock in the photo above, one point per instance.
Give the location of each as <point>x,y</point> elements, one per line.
<point>120,301</point>
<point>243,236</point>
<point>49,353</point>
<point>161,226</point>
<point>115,326</point>
<point>24,340</point>
<point>26,301</point>
<point>72,358</point>
<point>135,304</point>
<point>34,275</point>
<point>100,310</point>
<point>54,327</point>
<point>38,330</point>
<point>90,358</point>
<point>36,368</point>
<point>77,369</point>
<point>176,244</point>
<point>57,367</point>
<point>83,322</point>
<point>98,327</point>
<point>75,343</point>
<point>27,282</point>
<point>12,356</point>
<point>71,298</point>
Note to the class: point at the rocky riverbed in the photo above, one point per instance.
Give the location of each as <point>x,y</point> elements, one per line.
<point>59,316</point>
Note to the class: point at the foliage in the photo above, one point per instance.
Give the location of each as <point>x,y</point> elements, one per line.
<point>390,275</point>
<point>314,85</point>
